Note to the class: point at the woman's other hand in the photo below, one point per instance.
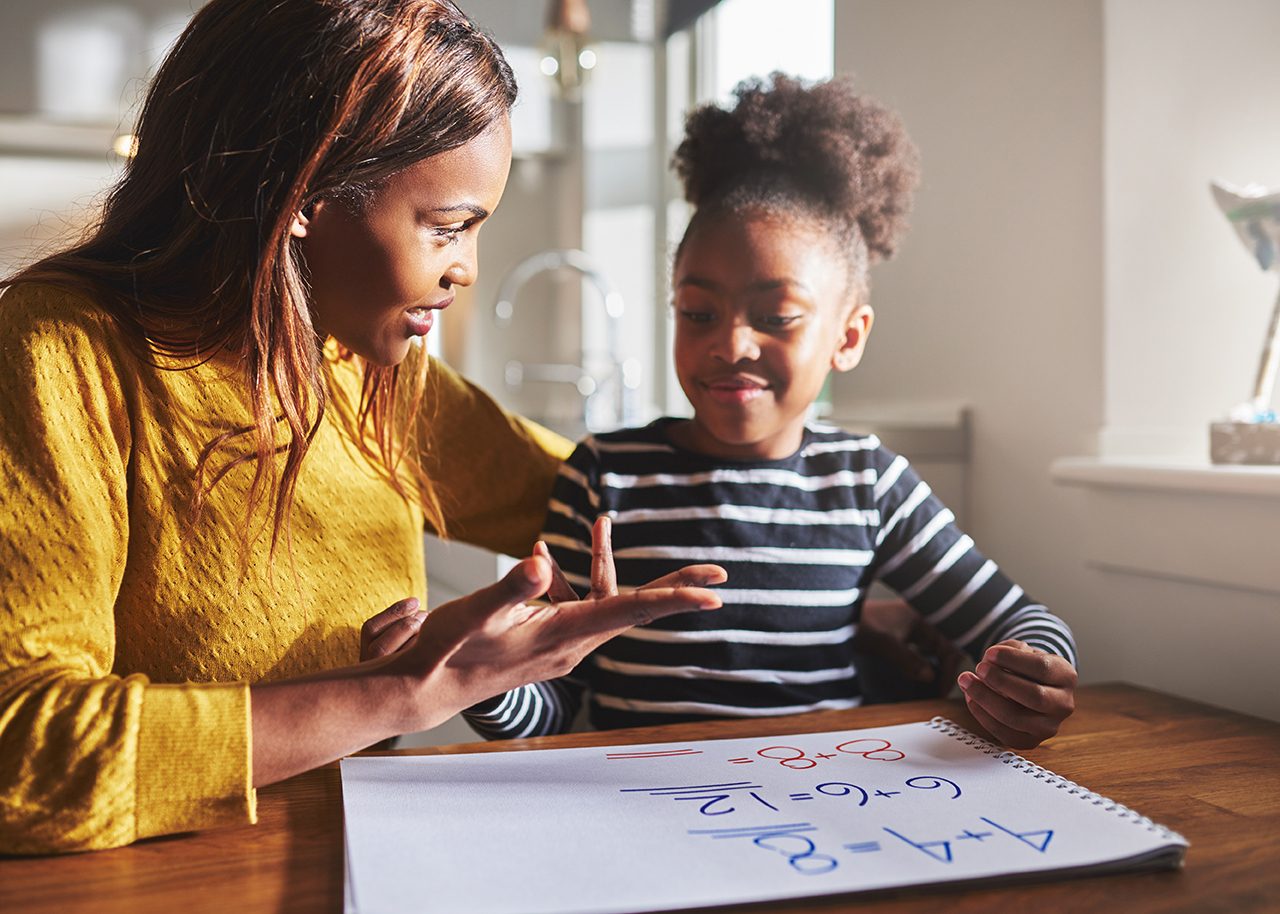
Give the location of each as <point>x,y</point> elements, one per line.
<point>391,629</point>
<point>1020,694</point>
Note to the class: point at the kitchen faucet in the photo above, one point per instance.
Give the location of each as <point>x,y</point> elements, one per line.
<point>609,392</point>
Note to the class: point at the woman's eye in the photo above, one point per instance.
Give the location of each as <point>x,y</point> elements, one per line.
<point>694,316</point>
<point>450,232</point>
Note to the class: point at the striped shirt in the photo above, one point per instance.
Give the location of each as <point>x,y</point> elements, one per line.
<point>802,540</point>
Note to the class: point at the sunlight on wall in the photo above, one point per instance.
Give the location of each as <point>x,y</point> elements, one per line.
<point>752,39</point>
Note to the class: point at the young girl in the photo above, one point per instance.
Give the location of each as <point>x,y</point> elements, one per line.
<point>797,190</point>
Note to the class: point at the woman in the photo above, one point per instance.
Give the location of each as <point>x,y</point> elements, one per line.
<point>219,447</point>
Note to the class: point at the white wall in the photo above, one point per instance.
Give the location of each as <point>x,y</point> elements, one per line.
<point>1190,96</point>
<point>995,298</point>
<point>1068,276</point>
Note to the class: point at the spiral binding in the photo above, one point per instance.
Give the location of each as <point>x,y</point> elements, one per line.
<point>1018,763</point>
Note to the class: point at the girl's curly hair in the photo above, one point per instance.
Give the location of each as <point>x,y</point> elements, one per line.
<point>791,148</point>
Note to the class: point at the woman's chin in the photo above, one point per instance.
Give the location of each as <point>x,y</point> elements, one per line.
<point>382,354</point>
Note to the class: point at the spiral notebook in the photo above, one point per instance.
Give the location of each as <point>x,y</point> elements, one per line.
<point>664,826</point>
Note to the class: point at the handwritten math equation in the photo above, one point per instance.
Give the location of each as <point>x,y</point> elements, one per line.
<point>799,843</point>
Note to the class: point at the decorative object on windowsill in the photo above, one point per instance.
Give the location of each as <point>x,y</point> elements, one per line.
<point>566,56</point>
<point>1252,433</point>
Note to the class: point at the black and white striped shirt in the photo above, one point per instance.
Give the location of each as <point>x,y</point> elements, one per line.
<point>802,539</point>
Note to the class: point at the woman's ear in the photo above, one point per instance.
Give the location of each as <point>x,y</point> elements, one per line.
<point>302,219</point>
<point>853,338</point>
<point>298,228</point>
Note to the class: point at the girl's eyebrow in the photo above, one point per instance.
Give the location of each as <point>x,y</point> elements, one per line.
<point>763,285</point>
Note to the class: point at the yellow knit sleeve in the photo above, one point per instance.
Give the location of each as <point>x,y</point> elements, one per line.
<point>88,758</point>
<point>493,471</point>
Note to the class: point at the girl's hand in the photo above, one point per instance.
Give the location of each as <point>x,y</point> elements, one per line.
<point>895,632</point>
<point>1019,693</point>
<point>391,629</point>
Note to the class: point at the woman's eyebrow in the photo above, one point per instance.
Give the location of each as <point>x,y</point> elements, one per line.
<point>478,212</point>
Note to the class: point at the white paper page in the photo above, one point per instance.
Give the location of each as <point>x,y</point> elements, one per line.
<point>671,825</point>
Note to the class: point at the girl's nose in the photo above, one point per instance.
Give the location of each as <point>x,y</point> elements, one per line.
<point>737,343</point>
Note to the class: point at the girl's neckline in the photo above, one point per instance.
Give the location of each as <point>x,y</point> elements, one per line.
<point>664,425</point>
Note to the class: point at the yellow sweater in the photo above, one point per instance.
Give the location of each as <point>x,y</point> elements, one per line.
<point>127,640</point>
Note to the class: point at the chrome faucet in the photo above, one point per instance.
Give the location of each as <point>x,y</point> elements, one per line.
<point>609,393</point>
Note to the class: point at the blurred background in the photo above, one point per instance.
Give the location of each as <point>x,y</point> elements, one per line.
<point>1067,314</point>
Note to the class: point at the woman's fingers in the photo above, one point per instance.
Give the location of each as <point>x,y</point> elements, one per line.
<point>604,580</point>
<point>390,629</point>
<point>599,620</point>
<point>690,576</point>
<point>560,591</point>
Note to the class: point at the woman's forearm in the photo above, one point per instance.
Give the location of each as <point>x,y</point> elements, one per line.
<point>299,724</point>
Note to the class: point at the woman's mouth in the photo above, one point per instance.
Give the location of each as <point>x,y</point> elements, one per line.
<point>422,317</point>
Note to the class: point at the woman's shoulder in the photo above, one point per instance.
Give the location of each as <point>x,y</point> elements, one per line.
<point>30,310</point>
<point>56,339</point>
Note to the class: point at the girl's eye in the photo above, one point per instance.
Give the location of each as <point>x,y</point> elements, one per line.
<point>778,321</point>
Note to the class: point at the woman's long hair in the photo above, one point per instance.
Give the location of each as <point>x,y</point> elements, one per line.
<point>261,108</point>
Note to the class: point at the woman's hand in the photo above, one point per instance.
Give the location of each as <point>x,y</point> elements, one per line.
<point>604,579</point>
<point>1019,693</point>
<point>419,670</point>
<point>495,639</point>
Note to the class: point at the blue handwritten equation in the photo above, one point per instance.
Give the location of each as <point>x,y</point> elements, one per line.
<point>876,791</point>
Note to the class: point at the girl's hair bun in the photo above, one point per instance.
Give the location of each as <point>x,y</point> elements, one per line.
<point>818,146</point>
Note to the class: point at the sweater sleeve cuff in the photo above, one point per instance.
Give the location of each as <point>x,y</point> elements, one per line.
<point>195,759</point>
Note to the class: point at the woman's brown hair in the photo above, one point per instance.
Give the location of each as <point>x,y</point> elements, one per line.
<point>260,109</point>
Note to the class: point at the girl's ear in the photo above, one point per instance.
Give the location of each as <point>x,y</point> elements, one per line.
<point>853,338</point>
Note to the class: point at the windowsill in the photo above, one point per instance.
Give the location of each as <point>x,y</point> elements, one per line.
<point>1180,476</point>
<point>1186,521</point>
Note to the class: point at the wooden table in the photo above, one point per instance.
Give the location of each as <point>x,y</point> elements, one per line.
<point>1210,774</point>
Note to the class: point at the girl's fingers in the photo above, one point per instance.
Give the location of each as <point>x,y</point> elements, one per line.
<point>1006,736</point>
<point>1012,717</point>
<point>1049,700</point>
<point>560,591</point>
<point>1033,664</point>
<point>376,625</point>
<point>690,576</point>
<point>604,581</point>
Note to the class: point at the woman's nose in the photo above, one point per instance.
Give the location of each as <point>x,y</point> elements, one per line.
<point>464,269</point>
